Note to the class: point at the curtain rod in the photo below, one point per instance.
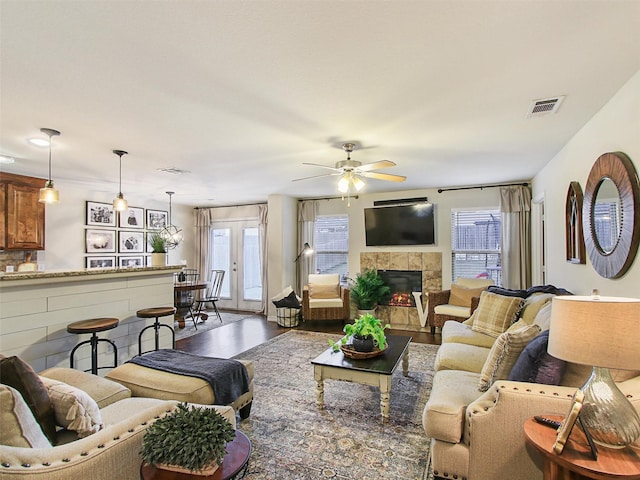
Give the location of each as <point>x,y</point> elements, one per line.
<point>522,184</point>
<point>229,206</point>
<point>327,198</point>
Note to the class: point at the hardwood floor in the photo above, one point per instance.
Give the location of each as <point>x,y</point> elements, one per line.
<point>233,339</point>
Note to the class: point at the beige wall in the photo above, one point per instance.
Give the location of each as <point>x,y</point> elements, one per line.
<point>616,127</point>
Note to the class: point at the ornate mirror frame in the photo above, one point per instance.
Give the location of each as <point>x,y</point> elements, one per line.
<point>574,236</point>
<point>617,167</point>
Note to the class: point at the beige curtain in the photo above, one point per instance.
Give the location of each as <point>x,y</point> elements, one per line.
<point>515,207</point>
<point>202,221</point>
<point>263,212</point>
<point>307,212</point>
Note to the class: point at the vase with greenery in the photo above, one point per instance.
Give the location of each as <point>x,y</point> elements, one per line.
<point>191,439</point>
<point>366,328</point>
<point>158,245</point>
<point>368,289</point>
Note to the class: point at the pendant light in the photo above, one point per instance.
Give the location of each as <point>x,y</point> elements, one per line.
<point>48,194</point>
<point>172,234</point>
<point>119,203</point>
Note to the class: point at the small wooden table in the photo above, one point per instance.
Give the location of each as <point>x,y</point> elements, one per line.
<point>235,462</point>
<point>375,371</point>
<point>576,462</point>
<point>181,290</point>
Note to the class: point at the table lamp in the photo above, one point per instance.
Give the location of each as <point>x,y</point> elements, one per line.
<point>603,332</point>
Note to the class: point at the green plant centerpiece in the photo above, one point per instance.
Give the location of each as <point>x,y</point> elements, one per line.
<point>157,243</point>
<point>191,438</point>
<point>365,333</point>
<point>368,289</point>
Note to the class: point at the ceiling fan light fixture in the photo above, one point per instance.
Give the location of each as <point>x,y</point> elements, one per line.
<point>343,184</point>
<point>358,184</point>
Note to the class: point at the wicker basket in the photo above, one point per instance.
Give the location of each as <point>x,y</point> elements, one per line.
<point>288,317</point>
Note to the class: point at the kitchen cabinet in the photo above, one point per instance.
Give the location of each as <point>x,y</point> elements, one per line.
<point>21,215</point>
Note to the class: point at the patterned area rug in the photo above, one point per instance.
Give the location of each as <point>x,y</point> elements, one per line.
<point>209,324</point>
<point>292,439</point>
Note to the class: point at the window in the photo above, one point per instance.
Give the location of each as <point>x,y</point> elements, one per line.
<point>476,238</point>
<point>332,244</point>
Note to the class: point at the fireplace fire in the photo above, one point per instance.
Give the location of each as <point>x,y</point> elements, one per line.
<point>402,283</point>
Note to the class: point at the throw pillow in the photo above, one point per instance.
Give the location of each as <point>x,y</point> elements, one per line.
<point>19,426</point>
<point>19,375</point>
<point>461,296</point>
<point>324,291</point>
<point>504,353</point>
<point>543,317</point>
<point>74,409</point>
<point>495,313</point>
<point>536,365</point>
<point>290,301</point>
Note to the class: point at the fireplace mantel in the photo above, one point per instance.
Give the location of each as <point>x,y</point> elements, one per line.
<point>429,263</point>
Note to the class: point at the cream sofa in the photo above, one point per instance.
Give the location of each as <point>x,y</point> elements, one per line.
<point>111,453</point>
<point>479,435</point>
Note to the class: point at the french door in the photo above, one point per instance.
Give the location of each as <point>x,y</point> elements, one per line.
<point>235,249</point>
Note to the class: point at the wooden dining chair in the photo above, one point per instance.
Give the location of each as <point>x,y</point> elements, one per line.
<point>212,295</point>
<point>185,282</point>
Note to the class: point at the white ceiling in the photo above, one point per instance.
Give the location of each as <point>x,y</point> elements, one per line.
<point>241,93</point>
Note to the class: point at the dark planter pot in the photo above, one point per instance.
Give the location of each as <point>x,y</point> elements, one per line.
<point>362,344</point>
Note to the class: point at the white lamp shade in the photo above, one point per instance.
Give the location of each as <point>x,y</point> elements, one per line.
<point>596,331</point>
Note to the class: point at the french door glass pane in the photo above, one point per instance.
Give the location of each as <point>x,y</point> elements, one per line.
<point>252,284</point>
<point>222,257</point>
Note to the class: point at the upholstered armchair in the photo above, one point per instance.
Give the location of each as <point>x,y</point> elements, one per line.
<point>323,298</point>
<point>457,303</point>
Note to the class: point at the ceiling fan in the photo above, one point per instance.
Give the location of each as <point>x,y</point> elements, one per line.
<point>350,170</point>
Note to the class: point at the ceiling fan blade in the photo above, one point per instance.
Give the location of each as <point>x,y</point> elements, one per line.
<point>367,167</point>
<point>322,166</point>
<point>383,176</point>
<point>317,176</point>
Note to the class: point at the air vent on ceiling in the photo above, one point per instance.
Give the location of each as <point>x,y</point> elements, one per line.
<point>173,170</point>
<point>544,106</point>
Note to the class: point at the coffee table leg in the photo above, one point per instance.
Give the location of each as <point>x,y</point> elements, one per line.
<point>319,387</point>
<point>385,397</point>
<point>405,362</point>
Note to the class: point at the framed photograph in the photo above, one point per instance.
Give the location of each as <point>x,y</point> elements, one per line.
<point>101,262</point>
<point>100,241</point>
<point>157,219</point>
<point>100,215</point>
<point>132,217</point>
<point>130,242</point>
<point>570,420</point>
<point>130,262</point>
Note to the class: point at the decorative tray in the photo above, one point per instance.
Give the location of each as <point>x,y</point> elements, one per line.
<point>350,352</point>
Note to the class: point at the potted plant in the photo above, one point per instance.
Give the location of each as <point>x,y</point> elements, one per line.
<point>191,440</point>
<point>367,290</point>
<point>365,333</point>
<point>158,249</point>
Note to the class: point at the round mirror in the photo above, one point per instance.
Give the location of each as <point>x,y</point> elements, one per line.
<point>611,215</point>
<point>607,216</point>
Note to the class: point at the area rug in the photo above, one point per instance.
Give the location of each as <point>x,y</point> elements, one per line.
<point>209,324</point>
<point>292,439</point>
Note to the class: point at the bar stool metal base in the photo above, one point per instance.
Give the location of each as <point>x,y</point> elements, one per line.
<point>93,326</point>
<point>156,312</point>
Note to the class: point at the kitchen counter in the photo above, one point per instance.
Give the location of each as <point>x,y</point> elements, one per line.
<point>36,307</point>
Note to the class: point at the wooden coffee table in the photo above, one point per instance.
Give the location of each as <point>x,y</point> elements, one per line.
<point>375,371</point>
<point>234,465</point>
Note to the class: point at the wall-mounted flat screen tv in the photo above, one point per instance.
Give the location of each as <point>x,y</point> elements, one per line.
<point>400,225</point>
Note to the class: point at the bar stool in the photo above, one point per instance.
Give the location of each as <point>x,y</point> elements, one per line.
<point>94,326</point>
<point>156,312</point>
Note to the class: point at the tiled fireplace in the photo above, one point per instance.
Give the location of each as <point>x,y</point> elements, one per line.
<point>428,264</point>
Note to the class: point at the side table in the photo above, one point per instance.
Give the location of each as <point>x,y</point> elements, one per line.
<point>576,462</point>
<point>234,465</point>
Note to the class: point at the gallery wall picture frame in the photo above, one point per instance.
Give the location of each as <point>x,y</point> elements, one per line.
<point>157,219</point>
<point>95,262</point>
<point>100,241</point>
<point>100,214</point>
<point>130,242</point>
<point>131,261</point>
<point>132,217</point>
